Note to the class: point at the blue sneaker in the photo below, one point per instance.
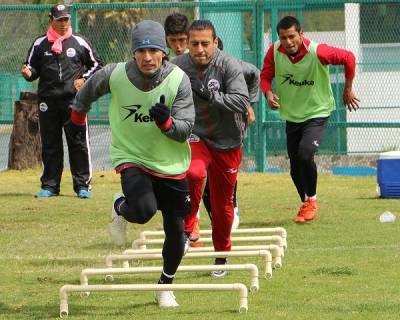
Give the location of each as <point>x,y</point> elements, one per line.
<point>45,194</point>
<point>84,194</point>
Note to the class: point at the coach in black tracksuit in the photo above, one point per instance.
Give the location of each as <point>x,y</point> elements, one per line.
<point>62,61</point>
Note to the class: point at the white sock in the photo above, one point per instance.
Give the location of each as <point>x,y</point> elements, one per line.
<point>314,197</point>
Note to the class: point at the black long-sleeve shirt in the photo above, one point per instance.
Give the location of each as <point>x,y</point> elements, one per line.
<point>57,72</point>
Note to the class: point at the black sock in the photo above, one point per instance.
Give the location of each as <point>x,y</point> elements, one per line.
<point>221,260</point>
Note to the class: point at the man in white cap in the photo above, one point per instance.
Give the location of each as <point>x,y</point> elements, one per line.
<point>63,61</point>
<point>151,116</point>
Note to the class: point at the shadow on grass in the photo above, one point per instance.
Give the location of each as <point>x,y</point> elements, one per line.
<point>83,309</point>
<point>16,194</point>
<point>64,262</point>
<point>29,312</point>
<point>335,271</point>
<point>370,198</point>
<point>51,311</point>
<point>267,223</point>
<point>25,194</point>
<point>105,246</point>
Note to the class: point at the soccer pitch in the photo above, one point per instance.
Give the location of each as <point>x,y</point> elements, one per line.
<point>344,265</point>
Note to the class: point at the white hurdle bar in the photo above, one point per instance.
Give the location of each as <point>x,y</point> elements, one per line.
<point>277,252</point>
<point>108,272</point>
<point>220,254</point>
<point>141,243</point>
<point>278,230</point>
<point>64,290</point>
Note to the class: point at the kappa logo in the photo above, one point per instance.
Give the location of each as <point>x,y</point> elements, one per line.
<point>187,198</point>
<point>232,170</point>
<point>133,112</point>
<point>289,78</point>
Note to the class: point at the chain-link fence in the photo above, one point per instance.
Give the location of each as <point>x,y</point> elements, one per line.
<point>368,28</point>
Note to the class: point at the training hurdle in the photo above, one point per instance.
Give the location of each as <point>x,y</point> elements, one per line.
<point>278,230</point>
<point>277,252</point>
<point>108,272</point>
<point>142,243</point>
<point>64,290</point>
<point>156,256</point>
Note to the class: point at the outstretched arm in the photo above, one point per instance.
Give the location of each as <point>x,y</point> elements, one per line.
<point>349,98</point>
<point>97,86</point>
<point>335,56</point>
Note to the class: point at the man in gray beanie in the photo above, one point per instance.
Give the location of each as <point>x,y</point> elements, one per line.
<point>151,116</point>
<point>149,34</point>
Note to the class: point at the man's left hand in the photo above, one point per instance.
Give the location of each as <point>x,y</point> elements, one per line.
<point>160,112</point>
<point>350,100</point>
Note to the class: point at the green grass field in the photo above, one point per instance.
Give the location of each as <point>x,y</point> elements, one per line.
<point>344,265</point>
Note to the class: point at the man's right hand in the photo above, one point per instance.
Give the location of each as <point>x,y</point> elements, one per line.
<point>272,100</point>
<point>26,71</point>
<point>251,117</point>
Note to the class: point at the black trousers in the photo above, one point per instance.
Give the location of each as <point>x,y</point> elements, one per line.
<point>303,140</point>
<point>52,117</point>
<point>144,194</point>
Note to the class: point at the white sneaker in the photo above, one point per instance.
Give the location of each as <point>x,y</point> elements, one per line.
<point>166,299</point>
<point>219,273</point>
<point>236,219</point>
<point>117,227</point>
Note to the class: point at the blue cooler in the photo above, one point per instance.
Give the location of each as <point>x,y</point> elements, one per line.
<point>388,174</point>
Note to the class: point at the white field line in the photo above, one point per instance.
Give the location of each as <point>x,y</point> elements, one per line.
<point>344,248</point>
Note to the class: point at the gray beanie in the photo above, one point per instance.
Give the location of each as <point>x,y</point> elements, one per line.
<point>148,34</point>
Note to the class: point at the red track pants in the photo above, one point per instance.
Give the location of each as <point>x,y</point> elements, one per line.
<point>221,167</point>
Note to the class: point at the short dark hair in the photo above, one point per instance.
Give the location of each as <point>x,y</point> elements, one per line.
<point>176,23</point>
<point>203,25</point>
<point>220,44</point>
<point>288,22</point>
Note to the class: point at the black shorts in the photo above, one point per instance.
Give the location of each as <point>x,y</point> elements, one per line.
<point>171,196</point>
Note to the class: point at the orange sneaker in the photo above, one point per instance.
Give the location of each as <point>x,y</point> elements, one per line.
<point>307,212</point>
<point>195,236</point>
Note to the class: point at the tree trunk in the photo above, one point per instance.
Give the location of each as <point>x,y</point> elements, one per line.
<point>25,147</point>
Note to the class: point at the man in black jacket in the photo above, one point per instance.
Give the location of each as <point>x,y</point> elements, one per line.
<point>62,61</point>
